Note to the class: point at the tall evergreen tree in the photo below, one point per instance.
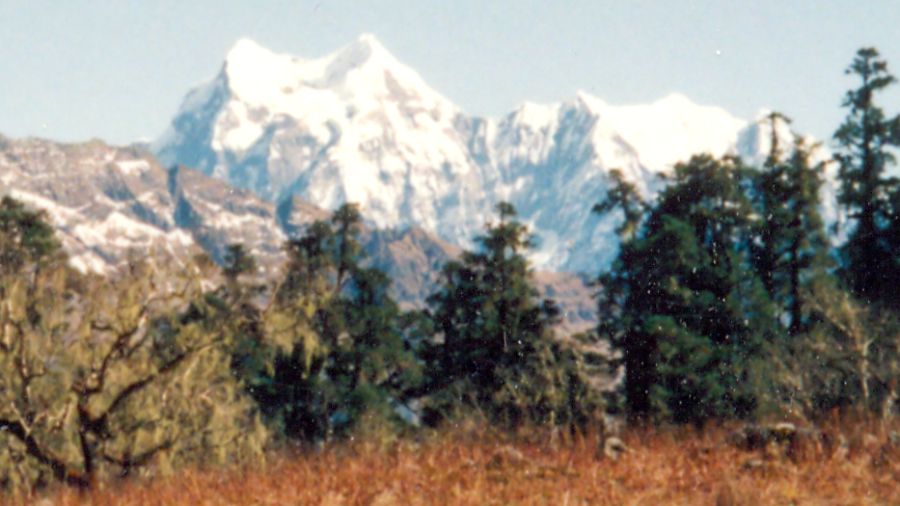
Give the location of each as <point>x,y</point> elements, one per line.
<point>868,194</point>
<point>792,251</point>
<point>681,304</point>
<point>341,348</point>
<point>244,323</point>
<point>771,190</point>
<point>807,261</point>
<point>496,351</point>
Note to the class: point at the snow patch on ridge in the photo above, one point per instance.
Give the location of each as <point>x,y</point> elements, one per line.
<point>133,167</point>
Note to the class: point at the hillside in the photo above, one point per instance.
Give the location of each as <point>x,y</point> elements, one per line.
<point>108,203</point>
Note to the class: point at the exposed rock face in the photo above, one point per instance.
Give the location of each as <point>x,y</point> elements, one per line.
<point>574,296</point>
<point>103,201</point>
<point>108,203</point>
<point>411,257</point>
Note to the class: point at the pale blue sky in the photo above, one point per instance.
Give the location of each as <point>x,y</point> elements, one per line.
<point>117,70</point>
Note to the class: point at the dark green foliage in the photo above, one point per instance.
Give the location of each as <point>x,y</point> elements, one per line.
<point>25,236</point>
<point>683,307</point>
<point>791,253</point>
<point>846,354</point>
<point>243,319</point>
<point>336,337</point>
<point>869,195</point>
<point>771,190</point>
<point>237,261</point>
<point>623,195</point>
<point>496,352</point>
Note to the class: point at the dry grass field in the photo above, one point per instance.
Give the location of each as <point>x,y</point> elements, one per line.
<point>469,467</point>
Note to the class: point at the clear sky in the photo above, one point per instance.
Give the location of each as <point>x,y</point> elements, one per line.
<point>117,70</point>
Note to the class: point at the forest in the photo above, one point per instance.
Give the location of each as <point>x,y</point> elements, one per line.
<point>731,301</point>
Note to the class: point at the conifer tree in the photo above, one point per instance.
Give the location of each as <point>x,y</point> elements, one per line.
<point>868,194</point>
<point>681,304</point>
<point>791,254</point>
<point>341,351</point>
<point>807,262</point>
<point>772,186</point>
<point>497,353</point>
<point>623,195</point>
<point>244,322</point>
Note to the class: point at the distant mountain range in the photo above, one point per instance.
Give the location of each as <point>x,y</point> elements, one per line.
<point>109,203</point>
<point>358,125</point>
<point>274,141</point>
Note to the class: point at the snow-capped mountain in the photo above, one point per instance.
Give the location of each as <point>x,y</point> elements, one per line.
<point>108,204</point>
<point>355,126</point>
<point>358,125</point>
<point>278,140</point>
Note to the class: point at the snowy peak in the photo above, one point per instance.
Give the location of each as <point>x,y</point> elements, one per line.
<point>369,41</point>
<point>366,49</point>
<point>668,130</point>
<point>247,50</point>
<point>258,88</point>
<point>534,116</point>
<point>675,102</point>
<point>357,125</point>
<point>253,72</point>
<point>363,68</point>
<point>250,69</point>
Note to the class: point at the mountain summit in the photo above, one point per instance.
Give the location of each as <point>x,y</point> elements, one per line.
<point>358,125</point>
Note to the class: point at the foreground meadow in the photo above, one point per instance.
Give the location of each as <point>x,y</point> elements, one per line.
<point>469,467</point>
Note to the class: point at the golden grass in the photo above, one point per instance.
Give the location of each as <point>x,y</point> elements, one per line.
<point>469,467</point>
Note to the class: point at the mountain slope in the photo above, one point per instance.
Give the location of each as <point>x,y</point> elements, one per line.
<point>108,204</point>
<point>103,201</point>
<point>358,125</point>
<point>355,126</point>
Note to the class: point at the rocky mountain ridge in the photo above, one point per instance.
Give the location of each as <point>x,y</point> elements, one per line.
<point>358,125</point>
<point>110,203</point>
